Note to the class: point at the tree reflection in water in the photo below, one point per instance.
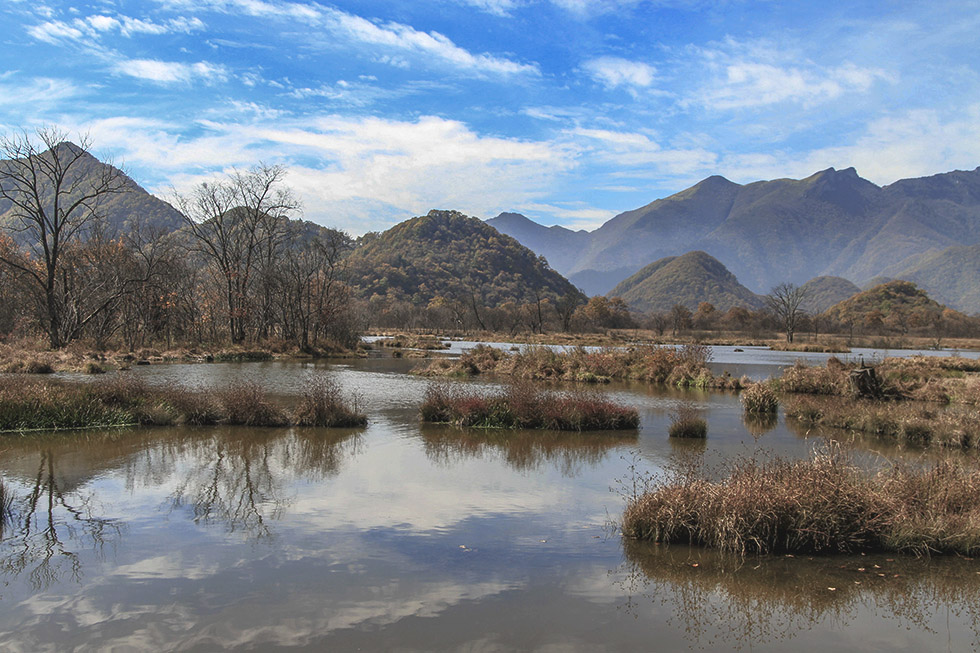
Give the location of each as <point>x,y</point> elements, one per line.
<point>523,450</point>
<point>744,602</point>
<point>50,524</point>
<point>237,476</point>
<point>227,475</point>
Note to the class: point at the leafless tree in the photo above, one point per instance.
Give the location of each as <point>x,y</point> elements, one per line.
<point>238,224</point>
<point>55,192</point>
<point>784,301</point>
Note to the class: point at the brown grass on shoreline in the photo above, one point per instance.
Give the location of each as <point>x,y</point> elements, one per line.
<point>685,366</point>
<point>825,504</point>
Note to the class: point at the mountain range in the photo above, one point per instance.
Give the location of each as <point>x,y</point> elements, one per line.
<point>833,223</point>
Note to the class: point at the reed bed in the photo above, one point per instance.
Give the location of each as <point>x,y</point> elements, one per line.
<point>914,423</point>
<point>759,399</point>
<point>521,405</point>
<point>685,366</point>
<point>124,400</point>
<point>824,504</point>
<point>686,422</point>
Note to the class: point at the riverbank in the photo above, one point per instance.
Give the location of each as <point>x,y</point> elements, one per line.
<point>34,358</point>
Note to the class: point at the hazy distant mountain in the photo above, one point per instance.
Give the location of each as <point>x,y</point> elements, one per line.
<point>559,245</point>
<point>824,292</point>
<point>120,209</point>
<point>831,223</point>
<point>446,253</point>
<point>951,276</point>
<point>690,279</point>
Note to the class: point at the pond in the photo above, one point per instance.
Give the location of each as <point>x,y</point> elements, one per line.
<point>400,536</point>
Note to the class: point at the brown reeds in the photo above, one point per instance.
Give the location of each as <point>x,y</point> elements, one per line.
<point>825,504</point>
<point>685,366</point>
<point>759,399</point>
<point>686,422</point>
<point>125,400</point>
<point>323,404</point>
<point>522,405</point>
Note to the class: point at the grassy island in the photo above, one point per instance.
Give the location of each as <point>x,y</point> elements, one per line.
<point>824,504</point>
<point>524,406</point>
<point>124,400</point>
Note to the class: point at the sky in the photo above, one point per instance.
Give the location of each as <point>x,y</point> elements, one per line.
<point>568,111</point>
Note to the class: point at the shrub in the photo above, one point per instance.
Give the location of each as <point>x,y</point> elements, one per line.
<point>685,422</point>
<point>759,399</point>
<point>246,404</point>
<point>323,404</point>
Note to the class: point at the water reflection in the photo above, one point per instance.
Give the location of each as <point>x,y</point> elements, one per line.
<point>758,424</point>
<point>50,523</point>
<point>523,450</point>
<point>716,598</point>
<point>238,477</point>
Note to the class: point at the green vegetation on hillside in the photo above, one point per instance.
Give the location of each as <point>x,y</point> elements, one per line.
<point>687,280</point>
<point>899,305</point>
<point>446,254</point>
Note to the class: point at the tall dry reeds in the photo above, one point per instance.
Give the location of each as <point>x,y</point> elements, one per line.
<point>324,404</point>
<point>522,405</point>
<point>823,504</point>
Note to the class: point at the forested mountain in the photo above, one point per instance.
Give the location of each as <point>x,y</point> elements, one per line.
<point>896,304</point>
<point>450,255</point>
<point>122,209</point>
<point>769,232</point>
<point>823,292</point>
<point>688,280</point>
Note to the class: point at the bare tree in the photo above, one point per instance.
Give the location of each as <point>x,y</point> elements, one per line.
<point>55,194</point>
<point>784,301</point>
<point>238,224</point>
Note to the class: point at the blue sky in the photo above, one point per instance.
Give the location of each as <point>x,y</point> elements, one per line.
<point>569,111</point>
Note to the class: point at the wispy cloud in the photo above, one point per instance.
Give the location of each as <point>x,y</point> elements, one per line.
<point>398,38</point>
<point>168,72</point>
<point>93,27</point>
<point>495,7</point>
<point>614,71</point>
<point>755,74</point>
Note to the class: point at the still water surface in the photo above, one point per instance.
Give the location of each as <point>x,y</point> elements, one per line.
<point>400,536</point>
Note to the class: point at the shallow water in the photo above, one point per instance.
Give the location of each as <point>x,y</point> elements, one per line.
<point>410,537</point>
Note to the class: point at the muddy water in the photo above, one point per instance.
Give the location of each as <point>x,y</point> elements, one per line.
<point>400,536</point>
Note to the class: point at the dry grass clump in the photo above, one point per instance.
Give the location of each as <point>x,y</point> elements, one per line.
<point>831,379</point>
<point>50,405</point>
<point>759,399</point>
<point>524,406</point>
<point>324,404</point>
<point>911,423</point>
<point>825,504</point>
<point>686,422</point>
<point>247,404</point>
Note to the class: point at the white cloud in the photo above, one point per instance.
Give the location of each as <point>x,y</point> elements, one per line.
<point>371,173</point>
<point>394,36</point>
<point>94,27</point>
<point>55,31</point>
<point>613,72</point>
<point>915,143</point>
<point>168,72</point>
<point>755,74</point>
<point>495,7</point>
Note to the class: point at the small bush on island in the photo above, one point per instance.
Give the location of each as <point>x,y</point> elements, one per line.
<point>524,406</point>
<point>247,404</point>
<point>685,422</point>
<point>824,504</point>
<point>759,399</point>
<point>323,404</point>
